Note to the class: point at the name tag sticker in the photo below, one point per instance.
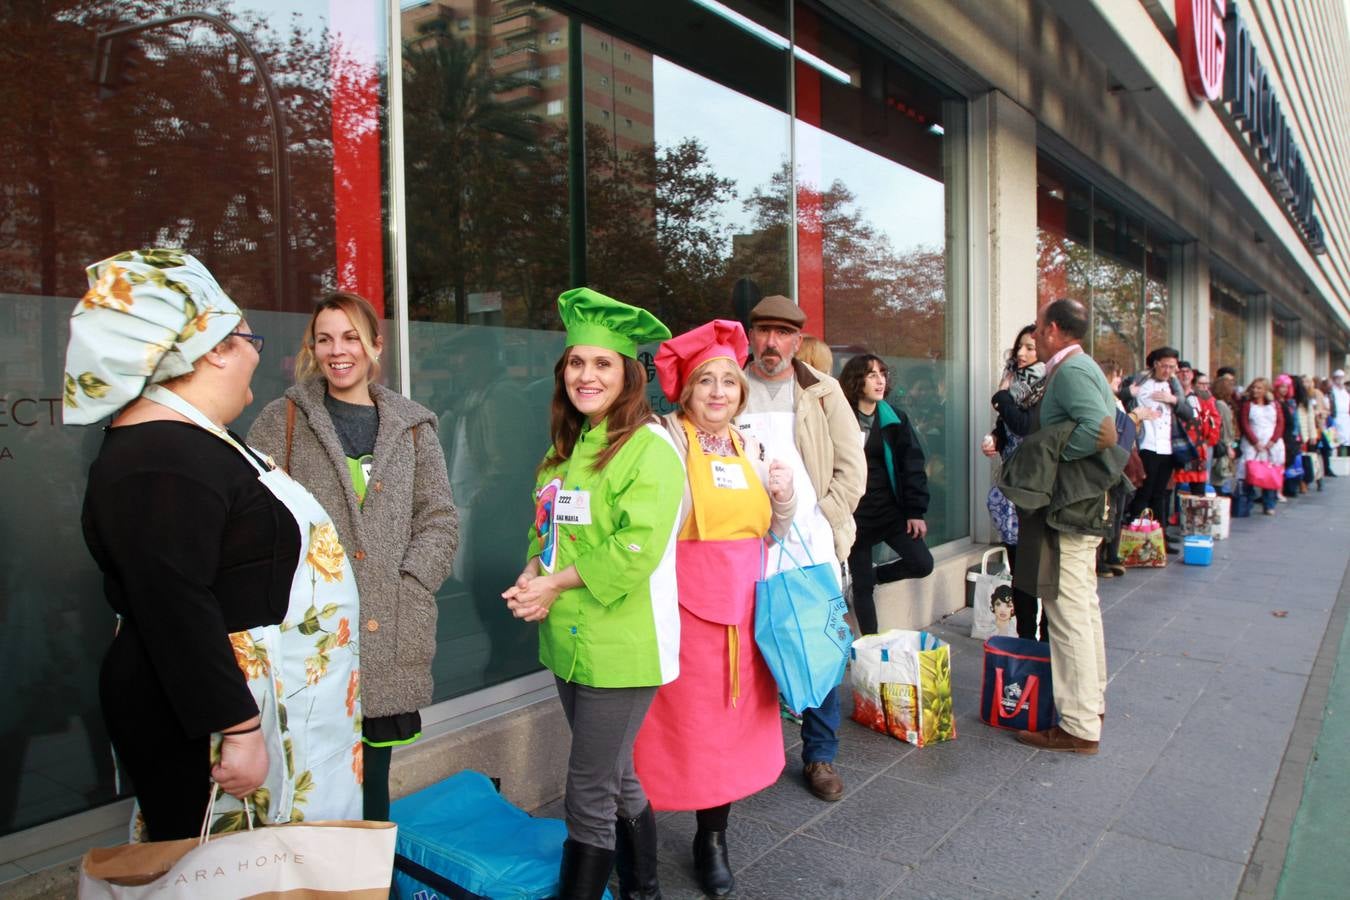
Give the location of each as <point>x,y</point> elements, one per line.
<point>573,508</point>
<point>729,475</point>
<point>366,466</point>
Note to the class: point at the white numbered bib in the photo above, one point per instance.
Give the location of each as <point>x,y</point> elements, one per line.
<point>573,508</point>
<point>728,475</point>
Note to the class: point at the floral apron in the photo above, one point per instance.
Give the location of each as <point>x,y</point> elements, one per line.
<point>713,735</point>
<point>304,674</point>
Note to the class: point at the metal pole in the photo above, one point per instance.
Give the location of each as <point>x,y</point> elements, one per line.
<point>576,155</point>
<point>281,178</point>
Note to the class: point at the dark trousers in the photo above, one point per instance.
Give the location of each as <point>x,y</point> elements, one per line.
<point>915,562</point>
<point>1153,495</point>
<point>1024,602</point>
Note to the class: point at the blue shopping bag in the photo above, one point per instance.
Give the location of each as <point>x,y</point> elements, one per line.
<point>800,629</point>
<point>1018,692</point>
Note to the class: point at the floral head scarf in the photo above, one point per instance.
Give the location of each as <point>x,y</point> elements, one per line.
<point>147,317</point>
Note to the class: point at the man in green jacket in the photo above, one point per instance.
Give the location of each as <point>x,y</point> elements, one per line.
<point>1076,392</point>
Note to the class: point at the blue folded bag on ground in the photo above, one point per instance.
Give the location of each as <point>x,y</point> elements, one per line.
<point>1018,692</point>
<point>459,839</point>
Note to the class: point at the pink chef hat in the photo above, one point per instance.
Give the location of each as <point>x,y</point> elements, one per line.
<point>680,356</point>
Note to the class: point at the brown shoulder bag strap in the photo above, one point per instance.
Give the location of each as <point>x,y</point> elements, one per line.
<point>290,433</point>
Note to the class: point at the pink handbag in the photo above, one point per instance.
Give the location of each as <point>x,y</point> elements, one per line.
<point>1262,473</point>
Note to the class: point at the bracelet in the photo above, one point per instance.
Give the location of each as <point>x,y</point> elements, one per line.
<point>257,727</point>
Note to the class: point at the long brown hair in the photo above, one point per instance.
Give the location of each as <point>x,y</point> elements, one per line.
<point>629,413</point>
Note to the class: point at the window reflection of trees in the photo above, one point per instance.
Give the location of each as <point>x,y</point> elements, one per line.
<point>88,172</point>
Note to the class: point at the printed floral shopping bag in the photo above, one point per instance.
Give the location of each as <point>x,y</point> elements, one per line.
<point>1142,544</point>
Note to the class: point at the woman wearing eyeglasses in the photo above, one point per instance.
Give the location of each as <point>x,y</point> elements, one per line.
<point>373,459</point>
<point>211,559</point>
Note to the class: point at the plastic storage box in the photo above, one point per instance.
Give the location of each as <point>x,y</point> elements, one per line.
<point>1197,550</point>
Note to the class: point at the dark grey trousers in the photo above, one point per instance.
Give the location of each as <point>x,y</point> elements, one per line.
<point>601,782</point>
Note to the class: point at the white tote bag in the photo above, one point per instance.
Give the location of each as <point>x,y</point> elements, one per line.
<point>986,623</point>
<point>341,859</point>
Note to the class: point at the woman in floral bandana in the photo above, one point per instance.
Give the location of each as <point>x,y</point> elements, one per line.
<point>233,595</point>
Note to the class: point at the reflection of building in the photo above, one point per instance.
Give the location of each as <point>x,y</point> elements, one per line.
<point>527,45</point>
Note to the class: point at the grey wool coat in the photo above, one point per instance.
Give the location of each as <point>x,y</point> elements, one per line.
<point>401,543</point>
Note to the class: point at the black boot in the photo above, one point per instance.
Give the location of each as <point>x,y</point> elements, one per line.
<point>585,871</point>
<point>635,856</point>
<point>711,864</point>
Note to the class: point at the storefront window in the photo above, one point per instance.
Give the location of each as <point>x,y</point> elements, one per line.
<point>875,149</point>
<point>1092,250</point>
<point>249,137</point>
<point>1280,334</point>
<point>682,154</point>
<point>1227,333</point>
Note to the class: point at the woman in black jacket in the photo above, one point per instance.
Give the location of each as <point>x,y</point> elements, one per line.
<point>896,499</point>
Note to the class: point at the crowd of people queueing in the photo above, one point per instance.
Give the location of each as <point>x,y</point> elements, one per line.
<point>1185,432</point>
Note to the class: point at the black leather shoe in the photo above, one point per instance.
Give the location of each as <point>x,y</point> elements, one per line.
<point>635,856</point>
<point>585,871</point>
<point>711,864</point>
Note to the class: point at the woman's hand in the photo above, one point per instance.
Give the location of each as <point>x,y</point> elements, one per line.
<point>1006,381</point>
<point>1164,396</point>
<point>530,601</point>
<point>243,761</point>
<point>1145,414</point>
<point>530,571</point>
<point>780,481</point>
<point>916,528</point>
<point>989,446</point>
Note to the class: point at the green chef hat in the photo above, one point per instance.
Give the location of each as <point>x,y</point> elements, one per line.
<point>594,320</point>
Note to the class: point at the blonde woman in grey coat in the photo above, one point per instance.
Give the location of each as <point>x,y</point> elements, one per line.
<point>372,458</point>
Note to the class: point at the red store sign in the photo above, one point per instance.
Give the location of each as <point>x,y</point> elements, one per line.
<point>1201,40</point>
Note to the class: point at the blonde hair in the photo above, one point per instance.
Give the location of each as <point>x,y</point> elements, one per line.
<point>816,353</point>
<point>363,318</point>
<point>688,390</point>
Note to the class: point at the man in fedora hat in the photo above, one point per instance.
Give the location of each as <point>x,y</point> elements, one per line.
<point>801,416</point>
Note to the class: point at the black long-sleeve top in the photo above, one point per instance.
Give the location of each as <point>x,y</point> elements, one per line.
<point>192,547</point>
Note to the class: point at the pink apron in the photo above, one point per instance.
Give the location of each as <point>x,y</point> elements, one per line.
<point>713,735</point>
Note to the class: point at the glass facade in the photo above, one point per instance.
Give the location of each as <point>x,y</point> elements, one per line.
<point>1281,335</point>
<point>650,152</point>
<point>1227,331</point>
<point>1091,249</point>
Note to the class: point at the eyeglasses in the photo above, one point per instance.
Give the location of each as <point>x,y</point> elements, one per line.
<point>255,339</point>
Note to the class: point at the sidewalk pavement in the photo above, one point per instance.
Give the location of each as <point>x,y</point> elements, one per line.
<point>1208,669</point>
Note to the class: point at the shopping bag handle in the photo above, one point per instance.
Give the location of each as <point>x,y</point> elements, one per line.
<point>782,548</point>
<point>205,834</point>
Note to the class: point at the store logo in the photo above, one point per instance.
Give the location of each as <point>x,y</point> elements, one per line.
<point>1201,37</point>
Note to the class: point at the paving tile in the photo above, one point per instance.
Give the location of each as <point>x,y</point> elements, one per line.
<point>893,819</point>
<point>1013,849</point>
<point>919,885</point>
<point>1126,866</point>
<point>1193,645</point>
<point>788,804</point>
<point>747,840</point>
<point>1093,789</point>
<point>975,764</point>
<point>867,750</point>
<point>1189,815</point>
<point>807,867</point>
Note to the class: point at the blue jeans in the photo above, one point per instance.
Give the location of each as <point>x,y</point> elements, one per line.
<point>1269,498</point>
<point>820,730</point>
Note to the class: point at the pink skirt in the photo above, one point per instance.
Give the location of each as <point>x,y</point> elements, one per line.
<point>695,749</point>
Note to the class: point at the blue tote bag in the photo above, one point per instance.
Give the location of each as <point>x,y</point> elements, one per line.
<point>800,629</point>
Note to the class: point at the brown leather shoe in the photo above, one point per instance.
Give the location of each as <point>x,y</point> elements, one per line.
<point>1057,740</point>
<point>823,780</point>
